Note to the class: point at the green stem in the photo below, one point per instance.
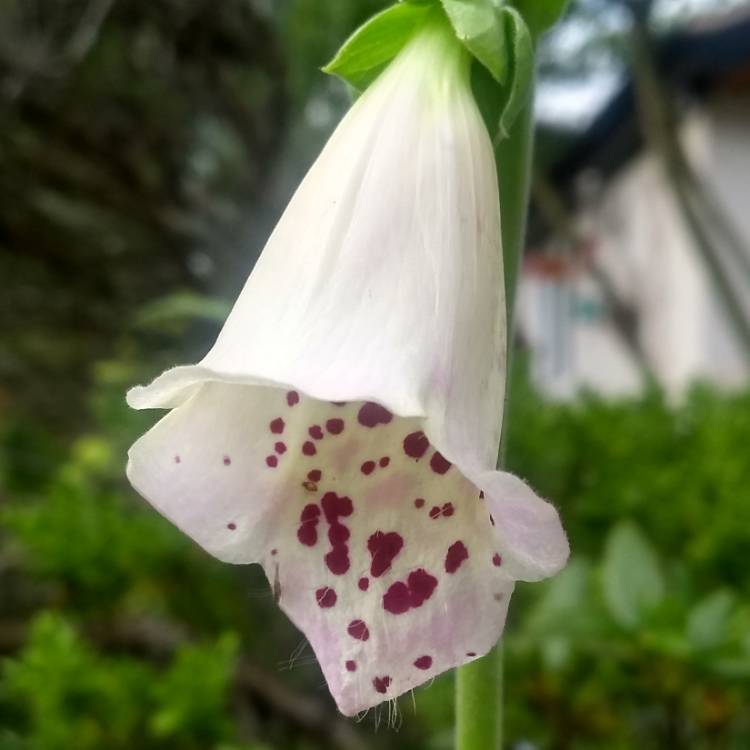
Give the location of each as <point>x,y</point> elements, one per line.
<point>479,685</point>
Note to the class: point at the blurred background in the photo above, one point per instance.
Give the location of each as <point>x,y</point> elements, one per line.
<point>146,151</point>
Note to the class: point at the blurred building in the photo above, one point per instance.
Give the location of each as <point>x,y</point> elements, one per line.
<point>614,286</point>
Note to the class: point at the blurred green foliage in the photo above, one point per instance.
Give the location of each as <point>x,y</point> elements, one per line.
<point>146,150</point>
<point>119,633</point>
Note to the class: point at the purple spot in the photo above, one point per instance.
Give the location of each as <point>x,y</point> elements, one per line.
<point>423,662</point>
<point>372,414</point>
<point>456,555</point>
<point>326,597</point>
<point>383,547</point>
<point>335,426</point>
<point>416,444</point>
<point>381,684</point>
<point>439,464</point>
<point>358,629</point>
<point>337,560</point>
<point>308,448</point>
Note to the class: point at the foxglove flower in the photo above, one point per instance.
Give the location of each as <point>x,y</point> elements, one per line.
<point>343,430</point>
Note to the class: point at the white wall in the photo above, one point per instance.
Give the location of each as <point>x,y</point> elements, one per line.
<point>640,241</point>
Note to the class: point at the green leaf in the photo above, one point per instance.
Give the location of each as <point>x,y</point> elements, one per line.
<point>521,65</point>
<point>540,14</point>
<point>180,306</point>
<point>374,44</point>
<point>479,26</point>
<point>565,596</point>
<point>708,620</point>
<point>631,576</point>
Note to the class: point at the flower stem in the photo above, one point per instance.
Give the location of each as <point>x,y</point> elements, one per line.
<point>479,685</point>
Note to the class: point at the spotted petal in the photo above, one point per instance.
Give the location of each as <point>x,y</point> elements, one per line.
<point>343,429</point>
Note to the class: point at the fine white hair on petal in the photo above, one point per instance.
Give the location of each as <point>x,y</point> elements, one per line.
<point>377,548</point>
<point>349,413</point>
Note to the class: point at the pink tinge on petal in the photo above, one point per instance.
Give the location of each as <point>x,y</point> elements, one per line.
<point>377,547</point>
<point>528,528</point>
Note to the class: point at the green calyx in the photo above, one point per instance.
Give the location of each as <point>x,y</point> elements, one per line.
<point>498,35</point>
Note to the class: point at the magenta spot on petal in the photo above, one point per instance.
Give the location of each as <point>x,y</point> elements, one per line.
<point>383,547</point>
<point>384,462</point>
<point>277,426</point>
<point>448,510</point>
<point>364,584</point>
<point>337,560</point>
<point>423,662</point>
<point>335,426</point>
<point>400,596</point>
<point>292,398</point>
<point>272,461</point>
<point>326,597</point>
<point>419,502</point>
<point>315,475</point>
<point>481,494</point>
<point>397,600</point>
<point>456,555</point>
<point>335,506</point>
<point>274,551</point>
<point>308,448</point>
<point>439,464</point>
<point>177,459</point>
<point>435,512</point>
<point>227,460</point>
<point>280,447</point>
<point>338,534</point>
<point>421,586</point>
<point>231,526</point>
<point>492,520</point>
<point>316,432</point>
<point>497,561</point>
<point>351,666</point>
<point>381,684</point>
<point>307,533</point>
<point>310,512</point>
<point>416,444</point>
<point>367,467</point>
<point>372,414</point>
<point>358,629</point>
<point>471,653</point>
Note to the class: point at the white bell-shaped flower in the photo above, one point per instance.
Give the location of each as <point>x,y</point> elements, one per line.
<point>343,430</point>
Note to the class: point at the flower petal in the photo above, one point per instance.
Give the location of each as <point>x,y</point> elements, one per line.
<point>526,527</point>
<point>383,279</point>
<point>381,286</point>
<point>378,548</point>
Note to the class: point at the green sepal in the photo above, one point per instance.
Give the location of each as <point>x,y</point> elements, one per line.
<point>540,15</point>
<point>520,59</point>
<point>478,25</point>
<point>374,44</point>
